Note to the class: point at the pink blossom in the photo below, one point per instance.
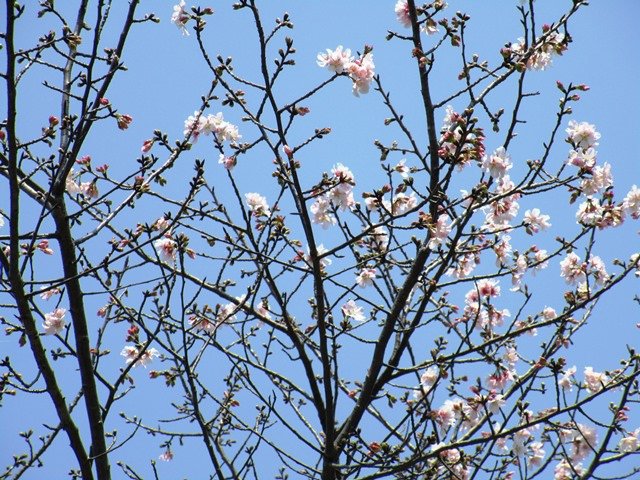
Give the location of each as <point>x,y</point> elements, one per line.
<point>600,180</point>
<point>584,442</point>
<point>582,135</point>
<point>402,169</point>
<point>337,60</point>
<point>498,163</point>
<point>166,456</point>
<point>166,248</point>
<point>594,381</point>
<point>47,294</point>
<point>583,159</point>
<point>589,212</point>
<point>200,322</point>
<point>257,204</point>
<point>180,17</point>
<point>226,313</point>
<point>54,321</point>
<point>43,246</point>
<point>227,162</point>
<point>598,270</point>
<point>147,145</point>
<point>379,239</point>
<point>403,203</point>
<point>463,267</point>
<point>441,231</point>
<point>199,124</point>
<point>536,454</point>
<point>567,380</point>
<point>402,13</point>
<point>130,353</point>
<point>352,310</point>
<point>361,71</point>
<point>630,443</point>
<point>321,250</point>
<point>572,269</point>
<point>631,203</point>
<point>321,210</point>
<point>366,277</point>
<point>565,471</point>
<point>427,380</point>
<point>536,221</point>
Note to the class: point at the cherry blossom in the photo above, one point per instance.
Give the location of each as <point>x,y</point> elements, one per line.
<point>324,261</point>
<point>441,231</point>
<point>321,210</point>
<point>572,269</point>
<point>180,17</point>
<point>600,180</point>
<point>337,60</point>
<point>536,221</point>
<point>427,380</point>
<point>582,135</point>
<point>403,203</point>
<point>498,163</point>
<point>631,203</point>
<point>463,267</point>
<point>584,442</point>
<point>567,379</point>
<point>54,321</point>
<point>166,456</point>
<point>366,277</point>
<point>131,353</point>
<point>199,124</point>
<point>227,162</point>
<point>379,239</point>
<point>565,471</point>
<point>536,454</point>
<point>352,310</point>
<point>257,204</point>
<point>342,193</point>
<point>47,294</point>
<point>598,270</point>
<point>361,71</point>
<point>402,13</point>
<point>594,381</point>
<point>200,322</point>
<point>584,159</point>
<point>630,443</point>
<point>166,248</point>
<point>589,212</point>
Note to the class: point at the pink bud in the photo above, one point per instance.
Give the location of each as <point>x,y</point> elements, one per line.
<point>104,101</point>
<point>146,146</point>
<point>53,121</point>
<point>288,151</point>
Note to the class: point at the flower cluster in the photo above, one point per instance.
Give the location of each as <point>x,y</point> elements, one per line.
<point>360,70</point>
<point>86,189</point>
<point>199,124</point>
<point>166,247</point>
<point>340,195</point>
<point>574,270</point>
<point>541,53</point>
<point>352,310</point>
<point>257,204</point>
<point>132,354</point>
<point>54,321</point>
<point>428,26</point>
<point>460,143</point>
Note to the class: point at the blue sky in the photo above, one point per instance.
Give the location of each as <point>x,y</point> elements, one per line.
<point>166,78</point>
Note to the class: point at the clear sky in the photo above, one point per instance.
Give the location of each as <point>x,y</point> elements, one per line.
<point>166,77</point>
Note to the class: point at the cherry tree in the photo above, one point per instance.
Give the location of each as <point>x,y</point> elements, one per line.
<point>239,298</point>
